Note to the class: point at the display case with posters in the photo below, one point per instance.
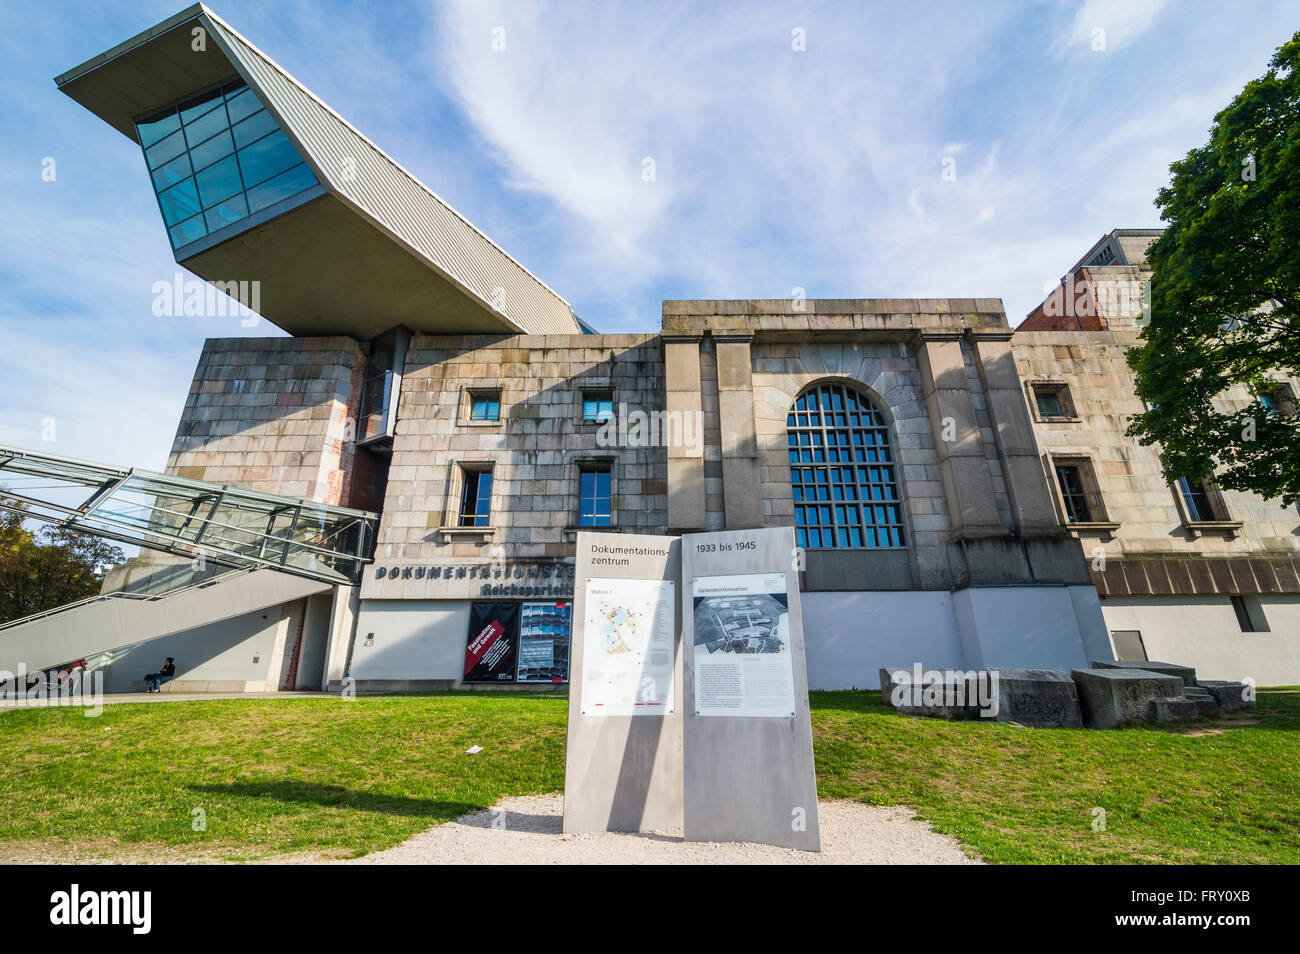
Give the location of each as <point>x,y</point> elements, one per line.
<point>544,642</point>
<point>518,642</point>
<point>492,652</point>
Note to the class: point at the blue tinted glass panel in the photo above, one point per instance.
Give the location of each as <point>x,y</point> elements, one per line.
<point>196,107</point>
<point>165,150</point>
<point>179,202</point>
<point>485,408</point>
<point>242,104</point>
<point>281,187</point>
<point>201,182</point>
<point>170,173</point>
<point>218,147</point>
<point>227,212</point>
<point>156,129</point>
<point>267,157</point>
<point>597,406</point>
<point>206,127</point>
<point>218,182</point>
<point>187,231</point>
<point>254,128</point>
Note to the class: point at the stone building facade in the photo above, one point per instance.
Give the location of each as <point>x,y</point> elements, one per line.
<point>963,496</point>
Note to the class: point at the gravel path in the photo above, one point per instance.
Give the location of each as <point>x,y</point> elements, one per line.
<point>528,831</point>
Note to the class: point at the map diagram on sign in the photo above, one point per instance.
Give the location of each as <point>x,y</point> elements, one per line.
<point>619,629</point>
<point>629,646</point>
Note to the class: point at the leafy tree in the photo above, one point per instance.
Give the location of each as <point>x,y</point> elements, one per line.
<point>1225,295</point>
<point>54,566</point>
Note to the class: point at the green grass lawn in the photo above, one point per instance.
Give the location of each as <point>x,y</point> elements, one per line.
<point>329,777</point>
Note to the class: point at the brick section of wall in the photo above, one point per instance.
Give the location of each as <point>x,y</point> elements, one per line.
<point>1097,298</point>
<point>535,450</point>
<point>271,415</point>
<point>1152,551</point>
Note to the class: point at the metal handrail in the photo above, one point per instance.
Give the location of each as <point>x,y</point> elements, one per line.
<point>124,595</point>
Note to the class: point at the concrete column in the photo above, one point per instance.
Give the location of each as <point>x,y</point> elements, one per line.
<point>967,483</point>
<point>685,459</point>
<point>742,496</point>
<point>342,630</point>
<point>1049,549</point>
<point>1031,502</point>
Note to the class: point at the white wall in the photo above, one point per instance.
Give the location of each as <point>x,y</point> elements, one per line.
<point>413,639</point>
<point>1202,632</point>
<point>1022,627</point>
<point>234,655</point>
<point>849,636</point>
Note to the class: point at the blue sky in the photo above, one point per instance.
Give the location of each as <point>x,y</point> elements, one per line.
<point>774,168</point>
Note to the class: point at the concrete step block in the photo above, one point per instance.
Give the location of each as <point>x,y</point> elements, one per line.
<point>1172,709</point>
<point>1229,695</point>
<point>1186,673</point>
<point>1109,697</point>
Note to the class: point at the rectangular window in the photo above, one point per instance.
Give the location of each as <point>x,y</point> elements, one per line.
<point>1250,614</point>
<point>1074,493</point>
<point>476,498</point>
<point>594,497</point>
<point>597,405</point>
<point>1196,499</point>
<point>1128,645</point>
<point>485,405</point>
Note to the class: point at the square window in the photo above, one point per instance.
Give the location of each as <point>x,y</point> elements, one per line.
<point>594,497</point>
<point>485,405</point>
<point>1279,399</point>
<point>597,405</point>
<point>1051,400</point>
<point>476,498</point>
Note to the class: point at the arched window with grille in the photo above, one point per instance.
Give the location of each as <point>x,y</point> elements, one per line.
<point>843,471</point>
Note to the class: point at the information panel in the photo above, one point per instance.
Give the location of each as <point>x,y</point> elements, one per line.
<point>743,660</point>
<point>629,642</point>
<point>623,757</point>
<point>748,769</point>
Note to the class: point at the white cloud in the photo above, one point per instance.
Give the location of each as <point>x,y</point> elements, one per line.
<point>1102,26</point>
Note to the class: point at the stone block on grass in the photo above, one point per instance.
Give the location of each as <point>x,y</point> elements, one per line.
<point>1042,698</point>
<point>1109,697</point>
<point>1205,702</point>
<point>944,700</point>
<point>1229,695</point>
<point>1171,710</point>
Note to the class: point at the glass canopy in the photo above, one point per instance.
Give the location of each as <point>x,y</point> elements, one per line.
<point>189,517</point>
<point>216,159</point>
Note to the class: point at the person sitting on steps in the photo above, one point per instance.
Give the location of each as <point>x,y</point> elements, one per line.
<point>154,680</point>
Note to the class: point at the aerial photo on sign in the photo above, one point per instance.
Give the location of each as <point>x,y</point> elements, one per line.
<point>742,646</point>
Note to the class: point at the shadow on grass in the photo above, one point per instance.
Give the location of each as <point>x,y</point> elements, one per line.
<point>336,796</point>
